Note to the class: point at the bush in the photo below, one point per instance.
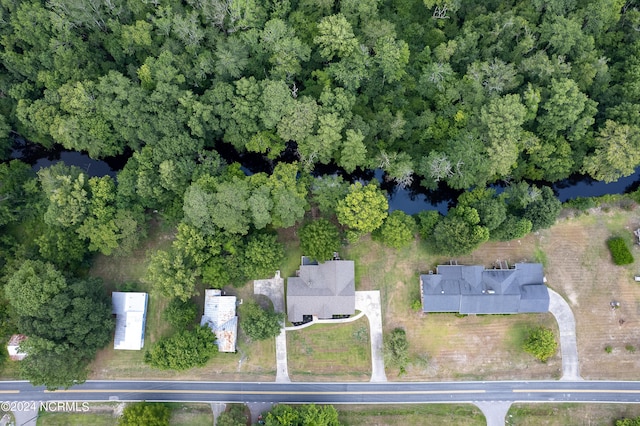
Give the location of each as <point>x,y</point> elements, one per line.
<point>619,251</point>
<point>608,349</point>
<point>396,350</point>
<point>541,343</point>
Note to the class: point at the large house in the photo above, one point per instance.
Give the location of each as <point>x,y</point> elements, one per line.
<point>220,316</point>
<point>476,290</point>
<point>130,310</point>
<point>323,290</point>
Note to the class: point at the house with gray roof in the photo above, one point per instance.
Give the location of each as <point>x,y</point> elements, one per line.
<point>220,316</point>
<point>321,290</point>
<point>476,290</point>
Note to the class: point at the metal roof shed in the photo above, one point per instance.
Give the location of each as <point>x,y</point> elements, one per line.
<point>131,313</point>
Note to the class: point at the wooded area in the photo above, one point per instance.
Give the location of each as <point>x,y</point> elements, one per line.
<point>465,93</point>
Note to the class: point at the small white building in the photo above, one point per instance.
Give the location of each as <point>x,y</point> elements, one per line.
<point>220,316</point>
<point>130,310</point>
<point>13,347</point>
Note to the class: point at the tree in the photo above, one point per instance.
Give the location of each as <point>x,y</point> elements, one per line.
<point>32,286</point>
<point>327,192</point>
<point>335,37</point>
<point>541,343</point>
<point>397,230</point>
<point>363,209</point>
<point>67,321</point>
<point>459,232</point>
<point>263,255</point>
<point>396,350</point>
<point>172,274</point>
<point>235,415</point>
<point>180,314</point>
<point>145,413</point>
<point>427,221</point>
<point>300,415</point>
<point>258,323</point>
<point>354,151</point>
<point>319,240</point>
<point>184,350</point>
<point>617,152</point>
<point>67,190</point>
<point>543,211</point>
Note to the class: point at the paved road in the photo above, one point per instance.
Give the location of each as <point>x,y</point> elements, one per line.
<point>332,393</point>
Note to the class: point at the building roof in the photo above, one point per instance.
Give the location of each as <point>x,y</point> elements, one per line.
<point>13,347</point>
<point>131,311</point>
<point>476,290</point>
<point>220,316</point>
<point>323,290</point>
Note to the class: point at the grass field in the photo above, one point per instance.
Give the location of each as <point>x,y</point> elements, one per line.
<point>107,414</point>
<point>330,352</point>
<point>569,414</point>
<point>411,415</point>
<point>445,346</point>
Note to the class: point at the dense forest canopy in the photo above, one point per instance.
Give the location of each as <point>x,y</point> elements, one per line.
<point>462,93</point>
<point>465,92</point>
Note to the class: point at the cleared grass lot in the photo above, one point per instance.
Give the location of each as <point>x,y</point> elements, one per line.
<point>411,415</point>
<point>569,414</point>
<point>326,352</point>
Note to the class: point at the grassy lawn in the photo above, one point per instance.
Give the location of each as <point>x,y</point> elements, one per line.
<point>411,415</point>
<point>330,352</point>
<point>191,414</point>
<point>569,414</point>
<point>253,360</point>
<point>445,346</point>
<point>104,414</point>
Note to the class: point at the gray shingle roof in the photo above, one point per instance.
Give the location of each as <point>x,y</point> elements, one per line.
<point>475,290</point>
<point>323,290</point>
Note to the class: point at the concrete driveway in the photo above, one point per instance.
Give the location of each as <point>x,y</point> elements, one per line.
<point>369,303</point>
<point>274,289</point>
<point>568,344</point>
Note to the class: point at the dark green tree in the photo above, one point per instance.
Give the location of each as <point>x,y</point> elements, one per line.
<point>184,350</point>
<point>459,232</point>
<point>263,255</point>
<point>258,323</point>
<point>397,231</point>
<point>145,413</point>
<point>300,415</point>
<point>319,240</point>
<point>179,314</point>
<point>235,415</point>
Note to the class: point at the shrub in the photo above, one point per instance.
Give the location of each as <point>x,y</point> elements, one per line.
<point>396,350</point>
<point>619,251</point>
<point>541,343</point>
<point>630,348</point>
<point>608,349</point>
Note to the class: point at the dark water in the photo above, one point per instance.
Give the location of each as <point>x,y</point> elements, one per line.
<point>39,157</point>
<point>411,200</point>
